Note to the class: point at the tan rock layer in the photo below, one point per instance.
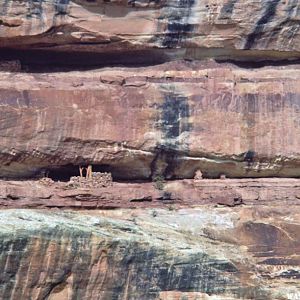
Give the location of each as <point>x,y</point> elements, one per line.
<point>105,26</point>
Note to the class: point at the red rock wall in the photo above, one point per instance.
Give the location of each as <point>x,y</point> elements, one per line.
<point>222,26</point>
<point>173,119</point>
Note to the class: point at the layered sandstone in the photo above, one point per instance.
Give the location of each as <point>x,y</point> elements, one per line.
<point>169,194</point>
<point>194,254</point>
<point>171,119</point>
<point>150,92</point>
<point>223,27</point>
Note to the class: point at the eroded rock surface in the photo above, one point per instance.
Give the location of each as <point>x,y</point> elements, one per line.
<point>187,254</point>
<point>125,86</point>
<point>172,194</point>
<point>171,119</point>
<point>223,26</point>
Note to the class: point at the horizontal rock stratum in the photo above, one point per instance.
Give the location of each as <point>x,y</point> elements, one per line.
<point>170,119</point>
<point>174,194</point>
<point>150,90</point>
<point>198,28</point>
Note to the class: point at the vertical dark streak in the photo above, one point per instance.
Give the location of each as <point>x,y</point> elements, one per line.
<point>174,121</point>
<point>5,7</point>
<point>61,6</point>
<point>177,26</point>
<point>267,17</point>
<point>26,98</point>
<point>227,9</point>
<point>35,9</point>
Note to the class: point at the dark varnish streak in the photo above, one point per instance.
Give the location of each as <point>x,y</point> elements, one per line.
<point>267,17</point>
<point>173,122</point>
<point>61,6</point>
<point>227,9</point>
<point>177,27</point>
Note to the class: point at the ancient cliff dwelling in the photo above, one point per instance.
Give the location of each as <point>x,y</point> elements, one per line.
<point>149,150</point>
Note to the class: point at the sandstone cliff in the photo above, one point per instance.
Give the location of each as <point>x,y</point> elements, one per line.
<point>223,27</point>
<point>173,194</point>
<point>171,119</point>
<point>238,119</point>
<point>150,90</point>
<point>144,255</point>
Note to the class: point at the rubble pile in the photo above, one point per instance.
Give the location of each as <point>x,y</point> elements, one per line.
<point>46,181</point>
<point>97,180</point>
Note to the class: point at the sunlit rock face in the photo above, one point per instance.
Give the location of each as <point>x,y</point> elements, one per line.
<point>144,255</point>
<point>199,28</point>
<point>152,91</point>
<point>170,119</point>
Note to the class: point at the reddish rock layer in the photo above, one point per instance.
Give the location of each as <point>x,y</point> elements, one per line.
<point>172,194</point>
<point>170,119</point>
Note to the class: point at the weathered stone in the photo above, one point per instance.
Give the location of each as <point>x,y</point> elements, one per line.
<point>181,193</point>
<point>219,253</point>
<point>199,28</point>
<point>97,180</point>
<point>101,83</point>
<point>10,66</point>
<point>46,181</point>
<point>209,116</point>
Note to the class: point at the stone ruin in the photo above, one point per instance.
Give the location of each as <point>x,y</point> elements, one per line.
<point>46,181</point>
<point>198,175</point>
<point>96,180</point>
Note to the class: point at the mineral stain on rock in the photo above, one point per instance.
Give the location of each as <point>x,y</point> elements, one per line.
<point>266,18</point>
<point>174,125</point>
<point>130,91</point>
<point>35,8</point>
<point>61,6</point>
<point>174,119</point>
<point>109,257</point>
<point>227,9</point>
<point>178,22</point>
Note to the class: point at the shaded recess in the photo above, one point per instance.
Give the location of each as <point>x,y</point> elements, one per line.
<point>65,172</point>
<point>48,61</point>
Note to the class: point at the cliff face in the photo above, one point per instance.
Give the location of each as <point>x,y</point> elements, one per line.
<point>102,26</point>
<point>188,254</point>
<point>150,90</point>
<point>172,119</point>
